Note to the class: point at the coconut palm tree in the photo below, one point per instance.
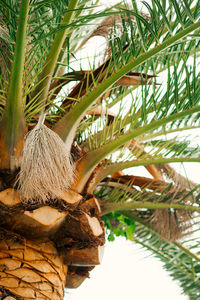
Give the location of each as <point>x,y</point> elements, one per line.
<point>72,134</point>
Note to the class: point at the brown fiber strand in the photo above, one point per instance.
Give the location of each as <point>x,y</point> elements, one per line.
<point>46,168</point>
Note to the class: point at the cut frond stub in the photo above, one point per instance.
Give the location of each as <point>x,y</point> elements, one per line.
<point>46,168</point>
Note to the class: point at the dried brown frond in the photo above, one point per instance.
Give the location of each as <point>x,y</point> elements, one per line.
<point>46,168</point>
<point>180,181</point>
<point>104,28</point>
<point>171,225</point>
<point>115,21</point>
<point>112,24</point>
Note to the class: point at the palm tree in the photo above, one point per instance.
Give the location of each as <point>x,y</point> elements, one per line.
<point>67,144</point>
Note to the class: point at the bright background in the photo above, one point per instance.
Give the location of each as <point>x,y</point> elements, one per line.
<point>127,273</point>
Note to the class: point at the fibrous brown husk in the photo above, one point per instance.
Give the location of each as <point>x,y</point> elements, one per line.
<point>4,51</point>
<point>46,168</point>
<point>111,25</point>
<point>180,181</point>
<point>169,224</point>
<point>104,28</point>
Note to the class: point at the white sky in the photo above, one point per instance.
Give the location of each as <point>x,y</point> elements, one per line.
<point>127,273</point>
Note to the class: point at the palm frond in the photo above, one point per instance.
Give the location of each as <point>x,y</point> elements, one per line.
<point>181,262</point>
<point>131,104</point>
<point>141,194</point>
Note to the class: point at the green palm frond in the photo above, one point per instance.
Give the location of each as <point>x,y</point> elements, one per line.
<point>180,261</point>
<point>131,104</point>
<point>147,190</point>
<point>156,106</point>
<point>170,207</point>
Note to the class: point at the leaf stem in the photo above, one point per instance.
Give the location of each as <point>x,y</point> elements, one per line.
<point>110,169</point>
<point>13,121</point>
<point>187,251</point>
<point>120,206</point>
<point>52,57</point>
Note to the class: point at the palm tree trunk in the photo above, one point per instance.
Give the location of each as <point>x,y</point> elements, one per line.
<point>38,243</point>
<point>30,270</point>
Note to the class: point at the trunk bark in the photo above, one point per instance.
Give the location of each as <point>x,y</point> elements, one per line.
<point>30,270</point>
<point>39,241</point>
